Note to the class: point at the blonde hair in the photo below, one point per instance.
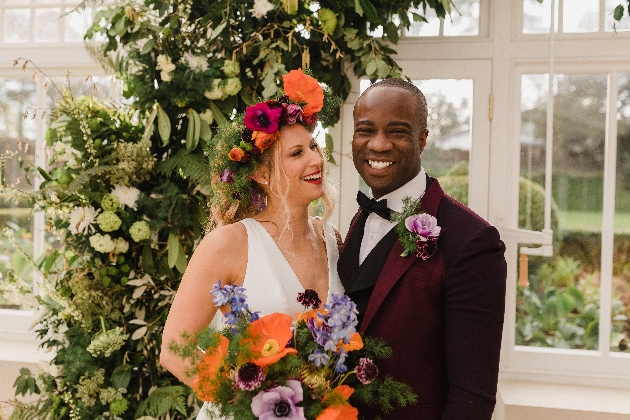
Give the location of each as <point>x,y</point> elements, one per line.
<point>228,212</point>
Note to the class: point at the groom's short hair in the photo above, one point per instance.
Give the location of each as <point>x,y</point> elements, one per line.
<point>421,101</point>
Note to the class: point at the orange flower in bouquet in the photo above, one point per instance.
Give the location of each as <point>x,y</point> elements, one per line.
<point>267,339</point>
<point>310,371</point>
<point>207,381</point>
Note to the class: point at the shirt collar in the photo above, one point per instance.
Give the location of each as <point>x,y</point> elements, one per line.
<point>414,188</point>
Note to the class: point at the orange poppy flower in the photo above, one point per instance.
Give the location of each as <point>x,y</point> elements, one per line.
<point>300,87</point>
<point>206,383</point>
<point>339,412</point>
<point>339,409</point>
<point>267,339</point>
<point>263,140</point>
<point>356,343</point>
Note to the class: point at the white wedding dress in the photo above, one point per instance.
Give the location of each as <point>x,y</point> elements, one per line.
<point>270,283</point>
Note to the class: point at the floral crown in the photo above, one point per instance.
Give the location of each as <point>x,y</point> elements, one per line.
<point>238,145</point>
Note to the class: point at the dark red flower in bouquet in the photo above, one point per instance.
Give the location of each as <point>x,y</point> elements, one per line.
<point>309,298</point>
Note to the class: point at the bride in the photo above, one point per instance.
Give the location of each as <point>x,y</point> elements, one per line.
<point>265,175</point>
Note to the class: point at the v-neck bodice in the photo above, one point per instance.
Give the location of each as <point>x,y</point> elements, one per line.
<point>271,284</point>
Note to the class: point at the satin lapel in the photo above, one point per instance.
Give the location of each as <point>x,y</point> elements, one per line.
<point>395,266</point>
<point>352,224</point>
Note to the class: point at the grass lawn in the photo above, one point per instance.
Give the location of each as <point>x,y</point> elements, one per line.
<point>592,221</point>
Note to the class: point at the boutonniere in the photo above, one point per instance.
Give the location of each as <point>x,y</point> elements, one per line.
<point>418,232</point>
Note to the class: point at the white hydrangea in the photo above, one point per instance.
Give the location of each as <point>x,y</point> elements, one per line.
<point>261,7</point>
<point>164,64</point>
<point>207,116</point>
<point>126,195</point>
<point>120,246</point>
<point>194,62</point>
<point>82,220</point>
<point>63,152</point>
<point>102,243</point>
<point>216,93</point>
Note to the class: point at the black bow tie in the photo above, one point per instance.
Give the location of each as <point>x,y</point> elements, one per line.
<point>372,206</point>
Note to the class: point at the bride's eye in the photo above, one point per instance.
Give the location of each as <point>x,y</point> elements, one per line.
<point>297,152</point>
<point>313,146</point>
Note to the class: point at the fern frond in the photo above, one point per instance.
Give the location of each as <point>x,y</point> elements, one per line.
<point>191,166</point>
<point>85,176</point>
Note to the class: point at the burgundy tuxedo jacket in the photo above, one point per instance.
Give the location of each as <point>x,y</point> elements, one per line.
<point>443,317</point>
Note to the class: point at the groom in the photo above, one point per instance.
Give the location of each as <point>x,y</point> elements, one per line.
<point>443,315</point>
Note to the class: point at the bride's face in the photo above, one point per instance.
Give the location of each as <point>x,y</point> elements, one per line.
<point>300,162</point>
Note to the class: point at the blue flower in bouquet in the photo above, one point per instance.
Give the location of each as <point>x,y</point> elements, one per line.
<point>221,294</point>
<point>236,297</point>
<point>319,358</point>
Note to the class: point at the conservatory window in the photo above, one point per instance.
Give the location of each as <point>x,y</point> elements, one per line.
<point>580,297</point>
<point>572,16</point>
<point>42,21</point>
<point>463,21</point>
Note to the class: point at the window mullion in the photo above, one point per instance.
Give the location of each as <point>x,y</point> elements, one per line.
<point>608,222</point>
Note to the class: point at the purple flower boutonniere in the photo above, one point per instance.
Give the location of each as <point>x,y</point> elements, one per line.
<point>418,232</point>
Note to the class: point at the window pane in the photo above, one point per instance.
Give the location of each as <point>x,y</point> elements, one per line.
<point>621,255</point>
<point>536,17</point>
<point>47,25</point>
<point>76,24</point>
<point>558,302</point>
<point>610,23</point>
<point>17,134</point>
<point>449,102</point>
<point>429,28</point>
<point>580,16</point>
<point>16,25</point>
<point>464,23</point>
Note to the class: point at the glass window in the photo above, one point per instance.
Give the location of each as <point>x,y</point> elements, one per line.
<point>558,300</point>
<point>47,25</point>
<point>76,24</point>
<point>609,23</point>
<point>17,134</point>
<point>16,25</point>
<point>580,16</point>
<point>620,340</point>
<point>536,17</point>
<point>463,21</point>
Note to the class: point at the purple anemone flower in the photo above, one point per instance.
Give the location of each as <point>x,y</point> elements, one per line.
<point>279,402</point>
<point>423,224</point>
<point>261,117</point>
<point>226,176</point>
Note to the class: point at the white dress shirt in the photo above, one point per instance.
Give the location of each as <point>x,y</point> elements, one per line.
<point>375,226</point>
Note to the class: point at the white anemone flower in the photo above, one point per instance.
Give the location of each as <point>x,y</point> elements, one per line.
<point>127,196</point>
<point>82,220</point>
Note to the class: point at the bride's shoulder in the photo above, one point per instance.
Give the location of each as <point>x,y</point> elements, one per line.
<point>227,237</point>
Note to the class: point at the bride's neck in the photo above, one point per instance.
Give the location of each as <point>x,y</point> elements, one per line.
<point>292,223</point>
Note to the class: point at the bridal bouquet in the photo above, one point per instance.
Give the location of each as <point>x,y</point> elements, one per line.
<point>271,367</point>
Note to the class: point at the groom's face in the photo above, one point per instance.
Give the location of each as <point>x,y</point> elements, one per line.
<point>388,138</point>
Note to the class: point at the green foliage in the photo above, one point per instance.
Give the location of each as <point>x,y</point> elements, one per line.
<point>560,309</point>
<point>164,400</point>
<point>171,49</point>
<point>25,383</point>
